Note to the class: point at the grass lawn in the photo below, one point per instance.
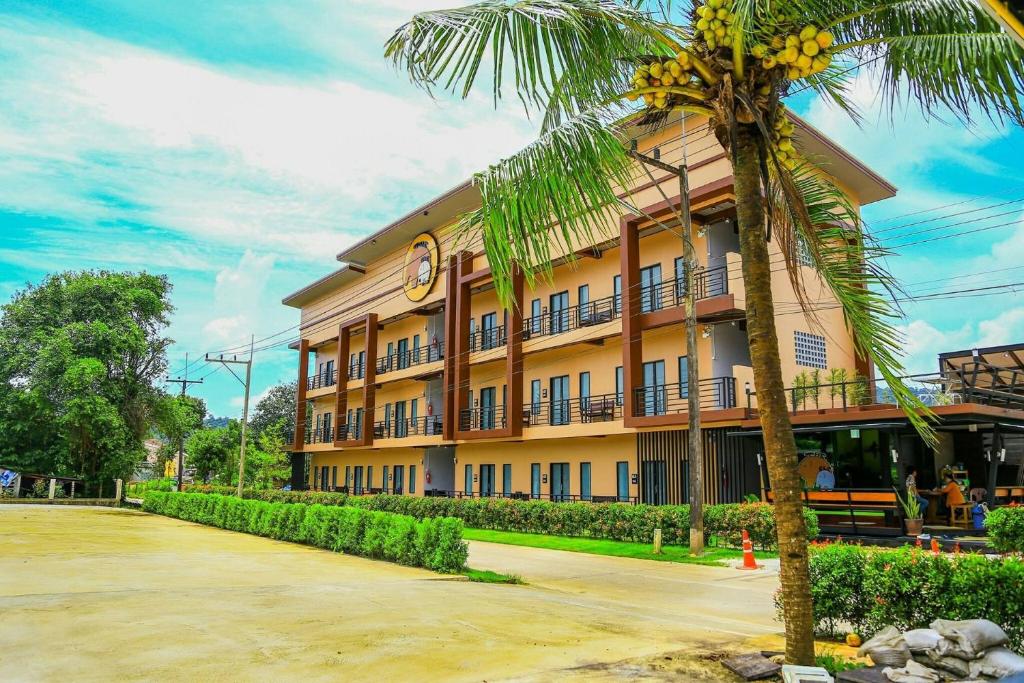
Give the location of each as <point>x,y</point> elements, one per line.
<point>594,546</point>
<point>487,576</point>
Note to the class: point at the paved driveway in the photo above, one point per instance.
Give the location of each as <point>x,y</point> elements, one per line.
<point>101,594</point>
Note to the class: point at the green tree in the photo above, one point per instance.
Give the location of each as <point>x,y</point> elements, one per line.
<point>212,451</point>
<point>728,63</point>
<point>277,407</point>
<point>80,354</point>
<point>176,417</point>
<point>266,460</point>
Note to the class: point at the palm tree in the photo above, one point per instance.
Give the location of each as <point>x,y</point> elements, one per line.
<point>591,66</point>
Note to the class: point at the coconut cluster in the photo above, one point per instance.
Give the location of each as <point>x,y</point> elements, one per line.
<point>656,74</point>
<point>801,55</point>
<point>782,139</point>
<point>714,23</point>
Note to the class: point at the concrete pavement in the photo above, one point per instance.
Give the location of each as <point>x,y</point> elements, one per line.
<point>101,594</point>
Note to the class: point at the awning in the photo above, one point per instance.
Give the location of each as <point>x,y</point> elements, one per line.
<point>827,428</point>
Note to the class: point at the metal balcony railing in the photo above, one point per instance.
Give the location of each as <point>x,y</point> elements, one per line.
<point>357,370</point>
<point>603,408</point>
<point>484,418</point>
<point>709,283</point>
<point>401,361</point>
<point>572,318</point>
<point>428,425</point>
<point>487,338</point>
<point>321,380</point>
<point>321,434</point>
<point>346,432</point>
<point>716,393</point>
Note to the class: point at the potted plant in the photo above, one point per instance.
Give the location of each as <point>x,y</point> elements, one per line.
<point>912,518</point>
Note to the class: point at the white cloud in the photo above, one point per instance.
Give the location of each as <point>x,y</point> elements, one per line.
<point>239,297</point>
<point>923,342</point>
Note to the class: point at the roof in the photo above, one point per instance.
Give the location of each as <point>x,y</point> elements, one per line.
<point>1008,356</point>
<point>342,276</point>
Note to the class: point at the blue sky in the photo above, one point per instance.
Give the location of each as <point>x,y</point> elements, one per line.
<point>238,145</point>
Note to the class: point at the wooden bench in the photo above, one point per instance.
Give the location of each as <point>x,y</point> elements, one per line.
<point>848,502</point>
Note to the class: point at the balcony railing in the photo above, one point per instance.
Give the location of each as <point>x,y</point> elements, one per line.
<point>709,283</point>
<point>321,380</point>
<point>428,425</point>
<point>716,393</point>
<point>572,318</point>
<point>487,338</point>
<point>407,359</point>
<point>321,434</point>
<point>603,408</point>
<point>357,370</point>
<point>346,432</point>
<point>487,417</point>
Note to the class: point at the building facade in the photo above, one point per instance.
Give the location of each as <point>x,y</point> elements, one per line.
<point>413,379</point>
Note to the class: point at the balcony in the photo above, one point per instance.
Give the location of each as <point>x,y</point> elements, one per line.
<point>429,425</point>
<point>410,358</point>
<point>482,419</point>
<point>321,434</point>
<point>572,318</point>
<point>603,408</point>
<point>322,380</point>
<point>357,370</point>
<point>716,393</point>
<point>487,338</point>
<point>709,283</point>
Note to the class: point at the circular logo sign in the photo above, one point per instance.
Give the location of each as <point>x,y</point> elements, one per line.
<point>421,261</point>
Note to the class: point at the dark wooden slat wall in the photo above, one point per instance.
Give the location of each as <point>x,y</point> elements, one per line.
<point>730,470</point>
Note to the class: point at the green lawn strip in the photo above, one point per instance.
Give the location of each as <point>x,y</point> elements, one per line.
<point>595,546</point>
<point>487,576</point>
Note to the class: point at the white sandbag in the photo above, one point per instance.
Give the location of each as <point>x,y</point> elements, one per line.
<point>888,637</point>
<point>959,668</point>
<point>997,663</point>
<point>921,639</point>
<point>969,638</point>
<point>913,672</point>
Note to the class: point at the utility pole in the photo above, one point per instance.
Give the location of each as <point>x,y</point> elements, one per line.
<point>184,382</point>
<point>695,459</point>
<point>227,362</point>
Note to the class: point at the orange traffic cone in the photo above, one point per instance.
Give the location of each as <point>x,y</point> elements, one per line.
<point>748,553</point>
<point>935,547</point>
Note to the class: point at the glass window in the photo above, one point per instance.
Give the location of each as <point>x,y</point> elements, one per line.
<point>618,385</point>
<point>534,401</point>
<point>412,478</point>
<point>369,476</point>
<point>403,354</point>
<point>810,350</point>
<point>654,388</point>
<point>489,331</point>
<point>617,292</point>
<point>684,369</point>
<point>622,480</point>
<point>398,479</point>
<point>650,288</point>
<point>535,480</point>
<point>348,475</point>
<point>559,312</point>
<point>535,316</point>
<point>386,474</point>
<point>506,479</point>
<point>680,288</point>
<point>585,480</point>
<point>468,488</point>
<point>334,477</point>
<point>416,348</point>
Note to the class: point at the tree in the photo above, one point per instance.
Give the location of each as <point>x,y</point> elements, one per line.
<point>80,354</point>
<point>277,407</point>
<point>728,63</point>
<point>211,452</point>
<point>267,461</point>
<point>176,417</point>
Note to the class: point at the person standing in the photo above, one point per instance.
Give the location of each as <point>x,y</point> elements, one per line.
<point>911,484</point>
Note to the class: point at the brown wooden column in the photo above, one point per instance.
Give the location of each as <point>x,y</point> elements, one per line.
<point>632,331</point>
<point>369,379</point>
<point>463,299</point>
<point>341,388</point>
<point>514,357</point>
<point>451,335</point>
<point>299,440</point>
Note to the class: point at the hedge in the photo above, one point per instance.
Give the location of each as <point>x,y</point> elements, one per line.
<point>434,543</point>
<point>613,521</point>
<point>1006,528</point>
<point>865,589</point>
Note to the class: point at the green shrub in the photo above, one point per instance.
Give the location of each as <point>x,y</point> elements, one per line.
<point>1006,529</point>
<point>868,588</point>
<point>433,543</point>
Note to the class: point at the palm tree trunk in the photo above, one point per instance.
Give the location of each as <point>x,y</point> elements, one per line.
<point>780,448</point>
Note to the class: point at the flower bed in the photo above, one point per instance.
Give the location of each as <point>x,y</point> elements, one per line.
<point>434,543</point>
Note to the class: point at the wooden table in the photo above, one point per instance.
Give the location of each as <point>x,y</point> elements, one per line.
<point>931,515</point>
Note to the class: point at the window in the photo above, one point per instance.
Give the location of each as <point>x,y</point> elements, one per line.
<point>401,426</point>
<point>414,410</point>
<point>399,480</point>
<point>386,473</point>
<point>387,420</point>
<point>617,292</point>
<point>536,321</point>
<point>618,385</point>
<point>403,354</point>
<point>584,481</point>
<point>583,295</point>
<point>584,391</point>
<point>684,369</point>
<point>348,475</point>
<point>412,478</point>
<point>559,312</point>
<point>680,288</point>
<point>810,350</point>
<point>327,435</point>
<point>334,477</point>
<point>349,427</point>
<point>468,488</point>
<point>654,388</point>
<point>535,480</point>
<point>559,482</point>
<point>506,479</point>
<point>473,345</point>
<point>650,283</point>
<point>369,477</point>
<point>359,424</point>
<point>622,481</point>
<point>559,412</point>
<point>358,483</point>
<point>803,252</point>
<point>416,348</point>
<point>489,331</point>
<point>534,401</point>
<point>486,481</point>
<point>389,362</point>
<point>487,407</point>
<point>329,372</point>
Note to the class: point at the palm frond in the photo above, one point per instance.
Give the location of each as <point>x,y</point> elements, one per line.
<point>810,212</point>
<point>559,193</point>
<point>942,53</point>
<point>567,49</point>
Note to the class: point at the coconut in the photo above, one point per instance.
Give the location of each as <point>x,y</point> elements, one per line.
<point>803,62</point>
<point>811,48</point>
<point>656,69</point>
<point>759,51</point>
<point>769,62</point>
<point>824,39</point>
<point>792,41</point>
<point>808,33</point>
